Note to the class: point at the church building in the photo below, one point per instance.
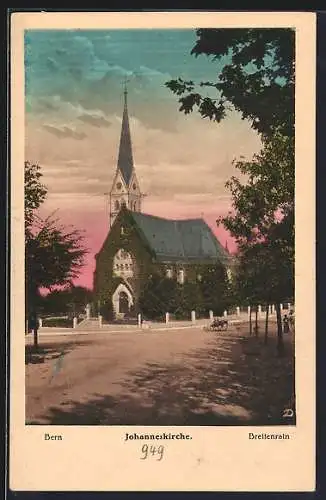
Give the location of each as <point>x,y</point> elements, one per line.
<point>139,245</point>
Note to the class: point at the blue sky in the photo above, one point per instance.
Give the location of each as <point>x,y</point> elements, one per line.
<point>88,67</point>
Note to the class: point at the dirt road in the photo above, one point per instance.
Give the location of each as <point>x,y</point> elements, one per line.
<point>175,377</point>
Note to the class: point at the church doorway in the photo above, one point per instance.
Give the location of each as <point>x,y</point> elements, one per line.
<point>123,303</point>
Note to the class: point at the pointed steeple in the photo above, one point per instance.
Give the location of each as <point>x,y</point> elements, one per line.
<point>125,187</point>
<point>125,158</point>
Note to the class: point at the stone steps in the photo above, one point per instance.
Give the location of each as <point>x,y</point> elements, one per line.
<point>88,324</point>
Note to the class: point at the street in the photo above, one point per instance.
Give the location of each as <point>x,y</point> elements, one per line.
<point>175,377</point>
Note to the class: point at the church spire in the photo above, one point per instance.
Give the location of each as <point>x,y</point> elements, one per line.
<point>125,189</point>
<point>125,158</point>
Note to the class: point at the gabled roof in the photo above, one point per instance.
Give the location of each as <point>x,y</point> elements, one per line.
<point>125,158</point>
<point>180,240</point>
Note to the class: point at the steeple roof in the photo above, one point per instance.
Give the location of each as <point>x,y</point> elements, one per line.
<point>125,158</point>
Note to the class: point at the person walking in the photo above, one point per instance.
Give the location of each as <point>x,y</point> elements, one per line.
<point>286,324</point>
<point>33,325</point>
<point>291,320</point>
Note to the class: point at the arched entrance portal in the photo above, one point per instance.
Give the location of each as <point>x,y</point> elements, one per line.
<point>122,301</point>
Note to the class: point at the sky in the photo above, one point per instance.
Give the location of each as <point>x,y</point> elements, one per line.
<point>74,103</point>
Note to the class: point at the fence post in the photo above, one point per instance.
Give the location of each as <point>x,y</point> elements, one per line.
<point>167,318</point>
<point>74,322</point>
<point>100,321</point>
<point>238,311</point>
<point>193,316</point>
<point>139,320</point>
<point>211,315</point>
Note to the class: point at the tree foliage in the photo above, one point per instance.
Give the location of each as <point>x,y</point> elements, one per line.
<point>257,78</point>
<point>263,203</point>
<point>265,274</point>
<point>262,221</point>
<point>159,295</point>
<point>71,300</point>
<point>35,192</point>
<point>211,292</point>
<point>215,290</point>
<point>54,254</point>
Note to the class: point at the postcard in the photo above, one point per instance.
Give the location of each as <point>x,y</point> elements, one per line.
<point>162,323</point>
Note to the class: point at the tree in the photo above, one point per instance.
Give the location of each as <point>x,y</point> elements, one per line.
<point>256,79</point>
<point>54,254</point>
<point>35,193</point>
<point>215,289</point>
<point>265,275</point>
<point>79,297</point>
<point>158,297</point>
<point>263,205</point>
<point>161,295</point>
<point>189,298</point>
<point>105,309</point>
<point>262,219</point>
<point>71,300</point>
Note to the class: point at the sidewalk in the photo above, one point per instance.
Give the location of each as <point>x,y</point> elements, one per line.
<point>148,326</point>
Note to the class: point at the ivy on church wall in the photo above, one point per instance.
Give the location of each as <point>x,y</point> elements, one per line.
<point>204,286</point>
<point>123,235</point>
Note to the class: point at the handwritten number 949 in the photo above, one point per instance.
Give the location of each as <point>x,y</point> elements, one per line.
<point>157,451</point>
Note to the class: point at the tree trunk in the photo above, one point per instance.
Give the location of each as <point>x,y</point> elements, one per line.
<point>266,324</point>
<point>250,323</point>
<point>280,343</point>
<point>35,338</point>
<point>256,321</point>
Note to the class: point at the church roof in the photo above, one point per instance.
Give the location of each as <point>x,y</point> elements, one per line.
<point>125,158</point>
<point>180,240</point>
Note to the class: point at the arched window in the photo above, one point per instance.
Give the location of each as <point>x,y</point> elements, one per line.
<point>117,205</point>
<point>123,264</point>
